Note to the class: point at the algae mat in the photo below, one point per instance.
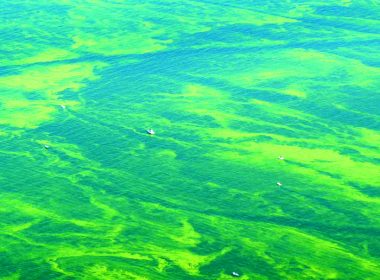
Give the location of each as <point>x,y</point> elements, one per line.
<point>229,86</point>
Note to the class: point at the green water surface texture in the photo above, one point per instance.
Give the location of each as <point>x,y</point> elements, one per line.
<point>228,86</point>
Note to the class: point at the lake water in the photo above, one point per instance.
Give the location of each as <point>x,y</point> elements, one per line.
<point>228,86</point>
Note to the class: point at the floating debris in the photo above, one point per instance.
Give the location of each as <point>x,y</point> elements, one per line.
<point>279,184</point>
<point>151,131</point>
<point>235,274</point>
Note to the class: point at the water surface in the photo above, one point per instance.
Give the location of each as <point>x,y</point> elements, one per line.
<point>229,86</point>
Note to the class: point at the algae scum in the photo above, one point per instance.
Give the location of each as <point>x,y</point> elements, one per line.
<point>228,86</point>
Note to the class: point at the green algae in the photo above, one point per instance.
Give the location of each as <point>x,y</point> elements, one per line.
<point>21,111</point>
<point>229,87</point>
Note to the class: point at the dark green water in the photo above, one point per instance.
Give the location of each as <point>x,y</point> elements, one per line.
<point>228,86</point>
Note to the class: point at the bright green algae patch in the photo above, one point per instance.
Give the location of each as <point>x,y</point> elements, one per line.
<point>228,87</point>
<point>30,97</point>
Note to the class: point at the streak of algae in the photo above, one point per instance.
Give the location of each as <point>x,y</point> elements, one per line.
<point>49,55</point>
<point>298,73</point>
<point>319,158</point>
<point>22,112</point>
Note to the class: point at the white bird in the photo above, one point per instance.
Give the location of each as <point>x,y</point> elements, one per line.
<point>63,107</point>
<point>281,157</point>
<point>235,274</point>
<point>279,184</point>
<point>151,131</point>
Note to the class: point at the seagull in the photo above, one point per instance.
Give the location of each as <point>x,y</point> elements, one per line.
<point>63,107</point>
<point>46,147</point>
<point>279,184</point>
<point>235,274</point>
<point>281,157</point>
<point>151,131</point>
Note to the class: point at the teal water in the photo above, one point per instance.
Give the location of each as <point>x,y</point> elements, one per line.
<point>228,87</point>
